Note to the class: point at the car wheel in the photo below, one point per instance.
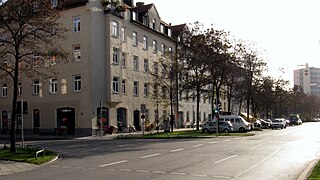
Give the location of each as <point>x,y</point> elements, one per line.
<point>241,130</point>
<point>226,131</point>
<point>205,131</point>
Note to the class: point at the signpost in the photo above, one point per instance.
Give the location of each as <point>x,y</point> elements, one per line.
<point>22,108</point>
<point>143,110</point>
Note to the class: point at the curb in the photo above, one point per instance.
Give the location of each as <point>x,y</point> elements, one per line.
<point>306,172</point>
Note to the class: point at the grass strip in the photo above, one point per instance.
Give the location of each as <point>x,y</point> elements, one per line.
<point>27,155</point>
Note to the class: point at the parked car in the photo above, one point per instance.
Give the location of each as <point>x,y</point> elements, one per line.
<point>295,119</point>
<point>239,124</point>
<point>270,122</point>
<point>278,123</point>
<point>211,126</point>
<point>265,124</point>
<point>257,123</point>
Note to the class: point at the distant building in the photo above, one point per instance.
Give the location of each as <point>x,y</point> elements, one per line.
<point>309,79</point>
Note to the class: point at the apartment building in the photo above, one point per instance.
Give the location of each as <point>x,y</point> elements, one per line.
<point>309,79</point>
<point>115,48</point>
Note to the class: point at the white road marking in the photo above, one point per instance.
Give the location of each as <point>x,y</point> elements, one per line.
<point>226,140</point>
<point>113,163</point>
<point>126,170</point>
<point>237,138</point>
<point>198,175</point>
<point>180,174</point>
<point>176,150</point>
<point>220,177</point>
<point>151,155</point>
<point>197,145</point>
<point>142,171</point>
<point>255,146</point>
<point>260,161</point>
<point>213,142</point>
<point>225,159</point>
<point>159,172</point>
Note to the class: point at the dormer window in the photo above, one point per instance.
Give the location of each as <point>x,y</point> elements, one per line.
<point>154,23</point>
<point>169,32</point>
<point>145,21</point>
<point>134,15</point>
<point>162,28</point>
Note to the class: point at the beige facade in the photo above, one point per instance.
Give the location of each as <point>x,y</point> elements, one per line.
<point>111,56</point>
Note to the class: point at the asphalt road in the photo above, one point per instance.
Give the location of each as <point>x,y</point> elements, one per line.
<point>270,154</point>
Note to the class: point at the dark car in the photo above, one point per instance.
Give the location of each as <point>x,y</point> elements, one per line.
<point>295,119</point>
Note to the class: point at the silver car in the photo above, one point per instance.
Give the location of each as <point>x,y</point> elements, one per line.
<point>211,126</point>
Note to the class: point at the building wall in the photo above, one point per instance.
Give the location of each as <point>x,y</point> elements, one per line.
<point>97,71</point>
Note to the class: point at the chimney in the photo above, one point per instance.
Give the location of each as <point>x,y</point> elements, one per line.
<point>139,4</point>
<point>128,2</point>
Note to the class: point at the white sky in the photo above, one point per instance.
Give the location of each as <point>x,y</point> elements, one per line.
<point>288,30</point>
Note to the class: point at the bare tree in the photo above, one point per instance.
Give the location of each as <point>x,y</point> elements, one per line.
<point>30,33</point>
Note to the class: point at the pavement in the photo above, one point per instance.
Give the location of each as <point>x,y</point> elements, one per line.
<point>11,167</point>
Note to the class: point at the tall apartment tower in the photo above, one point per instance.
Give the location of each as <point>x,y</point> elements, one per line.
<point>115,48</point>
<point>309,79</point>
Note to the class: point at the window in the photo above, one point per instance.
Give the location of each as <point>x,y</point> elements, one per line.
<point>76,24</point>
<point>115,56</point>
<point>54,3</point>
<point>77,52</point>
<point>19,89</point>
<point>156,68</point>
<point>146,65</point>
<point>154,46</point>
<point>154,21</point>
<point>53,60</point>
<point>77,83</point>
<point>134,15</point>
<point>169,32</point>
<point>162,28</point>
<point>36,60</point>
<point>134,39</point>
<point>115,85</point>
<point>53,86</point>
<point>4,90</point>
<point>124,60</point>
<point>145,21</point>
<point>135,88</point>
<point>36,87</point>
<point>123,35</point>
<point>146,90</point>
<point>163,47</point>
<point>135,63</point>
<point>115,29</point>
<point>123,84</point>
<point>164,92</point>
<point>170,51</point>
<point>145,42</point>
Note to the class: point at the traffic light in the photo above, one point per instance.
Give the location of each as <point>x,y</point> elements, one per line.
<point>216,111</point>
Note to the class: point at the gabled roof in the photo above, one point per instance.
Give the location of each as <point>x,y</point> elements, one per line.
<point>143,8</point>
<point>178,28</point>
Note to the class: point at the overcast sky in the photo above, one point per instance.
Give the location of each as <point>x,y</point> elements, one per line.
<point>288,30</point>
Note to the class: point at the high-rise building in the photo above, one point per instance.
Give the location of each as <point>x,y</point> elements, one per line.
<point>115,48</point>
<point>308,78</point>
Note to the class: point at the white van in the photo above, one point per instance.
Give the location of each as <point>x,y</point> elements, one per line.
<point>239,124</point>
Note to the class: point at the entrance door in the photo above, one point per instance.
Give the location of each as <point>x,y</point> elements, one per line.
<point>121,118</point>
<point>66,118</point>
<point>136,120</point>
